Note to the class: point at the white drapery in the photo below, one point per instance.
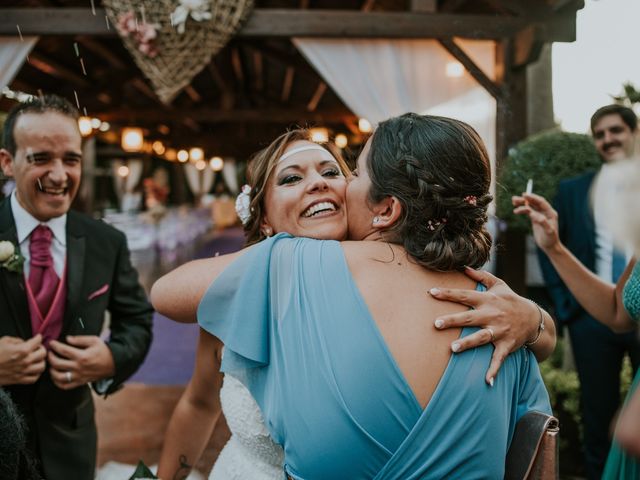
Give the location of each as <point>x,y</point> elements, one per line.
<point>126,185</point>
<point>378,79</point>
<point>13,53</point>
<point>199,181</point>
<point>230,175</point>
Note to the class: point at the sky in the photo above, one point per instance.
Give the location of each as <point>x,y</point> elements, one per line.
<point>587,72</point>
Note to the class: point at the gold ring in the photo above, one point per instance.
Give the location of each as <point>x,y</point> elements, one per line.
<point>493,337</point>
<point>68,376</point>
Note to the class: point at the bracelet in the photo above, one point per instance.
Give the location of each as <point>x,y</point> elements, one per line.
<point>540,326</point>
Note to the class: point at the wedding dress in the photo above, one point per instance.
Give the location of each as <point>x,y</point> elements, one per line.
<point>250,453</point>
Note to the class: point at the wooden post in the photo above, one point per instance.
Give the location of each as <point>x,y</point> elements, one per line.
<point>511,127</point>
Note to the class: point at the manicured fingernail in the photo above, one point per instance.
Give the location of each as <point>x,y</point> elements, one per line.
<point>434,291</point>
<point>455,346</point>
<point>491,381</point>
<point>439,323</point>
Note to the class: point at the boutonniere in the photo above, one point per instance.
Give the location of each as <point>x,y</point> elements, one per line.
<point>10,257</point>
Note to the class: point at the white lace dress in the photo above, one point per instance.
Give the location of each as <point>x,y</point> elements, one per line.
<point>250,454</point>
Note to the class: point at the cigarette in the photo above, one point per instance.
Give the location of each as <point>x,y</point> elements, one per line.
<point>529,189</point>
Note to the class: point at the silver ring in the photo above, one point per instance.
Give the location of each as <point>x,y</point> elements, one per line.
<point>68,376</point>
<point>493,337</point>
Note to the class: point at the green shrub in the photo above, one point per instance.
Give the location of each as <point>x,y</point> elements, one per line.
<point>547,158</point>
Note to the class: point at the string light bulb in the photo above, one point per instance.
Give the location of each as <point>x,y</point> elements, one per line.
<point>364,125</point>
<point>183,156</point>
<point>132,139</point>
<point>216,164</point>
<point>84,124</point>
<point>341,140</point>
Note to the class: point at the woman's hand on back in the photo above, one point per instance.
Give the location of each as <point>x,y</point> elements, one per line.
<point>507,320</point>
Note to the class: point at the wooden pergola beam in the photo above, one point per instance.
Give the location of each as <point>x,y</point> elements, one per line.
<point>96,47</point>
<point>424,6</point>
<point>288,23</point>
<point>53,68</point>
<point>476,72</point>
<point>227,97</point>
<point>212,115</point>
<point>287,84</point>
<point>317,96</point>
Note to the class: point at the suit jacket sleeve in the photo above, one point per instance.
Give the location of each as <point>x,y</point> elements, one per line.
<point>565,305</point>
<point>131,319</point>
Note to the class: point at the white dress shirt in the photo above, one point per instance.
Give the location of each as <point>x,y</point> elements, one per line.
<point>26,223</point>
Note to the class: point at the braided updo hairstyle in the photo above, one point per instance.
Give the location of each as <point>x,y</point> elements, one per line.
<point>438,169</point>
<point>260,169</point>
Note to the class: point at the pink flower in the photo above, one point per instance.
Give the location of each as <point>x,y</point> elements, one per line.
<point>126,23</point>
<point>146,33</point>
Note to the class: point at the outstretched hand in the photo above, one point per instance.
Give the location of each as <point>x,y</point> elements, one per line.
<point>544,219</point>
<point>505,318</point>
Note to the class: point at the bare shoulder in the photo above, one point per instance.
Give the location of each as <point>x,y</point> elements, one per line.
<point>371,256</point>
<point>360,253</point>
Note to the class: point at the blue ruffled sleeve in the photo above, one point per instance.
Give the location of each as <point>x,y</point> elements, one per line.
<point>236,308</point>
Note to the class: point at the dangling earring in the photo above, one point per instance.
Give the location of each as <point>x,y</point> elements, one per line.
<point>376,220</point>
<point>267,231</point>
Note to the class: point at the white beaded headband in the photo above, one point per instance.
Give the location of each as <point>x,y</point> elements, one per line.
<point>302,149</point>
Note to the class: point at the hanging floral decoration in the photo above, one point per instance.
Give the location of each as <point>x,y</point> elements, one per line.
<point>171,41</point>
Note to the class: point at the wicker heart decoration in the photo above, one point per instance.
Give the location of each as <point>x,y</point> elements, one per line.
<point>168,58</point>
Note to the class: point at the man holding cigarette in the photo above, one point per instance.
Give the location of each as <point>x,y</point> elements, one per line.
<point>597,350</point>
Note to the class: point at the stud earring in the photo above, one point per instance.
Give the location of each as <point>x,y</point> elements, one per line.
<point>267,231</point>
<point>376,220</point>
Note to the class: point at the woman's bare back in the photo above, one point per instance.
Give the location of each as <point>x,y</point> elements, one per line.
<point>395,289</point>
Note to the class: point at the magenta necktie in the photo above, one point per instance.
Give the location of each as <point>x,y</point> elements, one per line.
<point>43,280</point>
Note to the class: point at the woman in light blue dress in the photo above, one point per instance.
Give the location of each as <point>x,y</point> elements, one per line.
<point>336,342</point>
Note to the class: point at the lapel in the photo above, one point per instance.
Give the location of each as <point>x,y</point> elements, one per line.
<point>12,283</point>
<point>75,268</point>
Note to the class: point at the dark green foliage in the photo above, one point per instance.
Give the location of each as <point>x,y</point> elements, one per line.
<point>547,158</point>
<point>631,95</point>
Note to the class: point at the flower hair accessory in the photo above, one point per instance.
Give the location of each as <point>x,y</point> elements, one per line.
<point>471,200</point>
<point>243,200</point>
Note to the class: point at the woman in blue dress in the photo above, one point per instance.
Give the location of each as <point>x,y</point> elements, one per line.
<point>336,342</point>
<point>617,306</point>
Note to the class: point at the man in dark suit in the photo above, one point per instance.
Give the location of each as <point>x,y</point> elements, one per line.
<point>52,312</point>
<point>597,350</point>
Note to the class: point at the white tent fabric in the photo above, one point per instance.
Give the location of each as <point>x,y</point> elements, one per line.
<point>126,184</point>
<point>199,181</point>
<point>380,78</point>
<point>13,53</point>
<point>230,175</point>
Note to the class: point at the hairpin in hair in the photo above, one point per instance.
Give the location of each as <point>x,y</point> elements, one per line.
<point>433,224</point>
<point>471,200</point>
